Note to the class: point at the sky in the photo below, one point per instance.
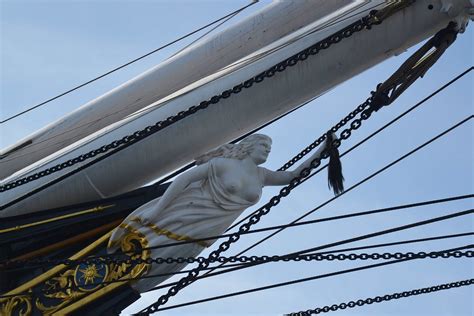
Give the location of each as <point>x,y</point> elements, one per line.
<point>48,47</point>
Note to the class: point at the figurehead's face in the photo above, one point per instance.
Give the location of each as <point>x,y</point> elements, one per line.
<point>260,150</point>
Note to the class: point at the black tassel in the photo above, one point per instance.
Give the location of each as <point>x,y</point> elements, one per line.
<point>335,177</point>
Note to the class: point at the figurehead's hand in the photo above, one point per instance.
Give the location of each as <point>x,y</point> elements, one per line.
<point>330,137</point>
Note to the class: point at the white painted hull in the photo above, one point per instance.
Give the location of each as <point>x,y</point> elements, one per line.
<point>181,142</point>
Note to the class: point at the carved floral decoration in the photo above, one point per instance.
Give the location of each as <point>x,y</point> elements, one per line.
<point>79,281</point>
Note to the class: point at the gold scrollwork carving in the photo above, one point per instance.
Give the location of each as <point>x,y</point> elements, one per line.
<point>79,284</point>
<point>67,288</point>
<point>133,243</point>
<point>19,305</point>
<point>61,288</point>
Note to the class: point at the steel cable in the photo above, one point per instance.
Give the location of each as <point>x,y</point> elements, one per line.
<point>446,85</point>
<point>275,258</point>
<point>209,273</point>
<point>384,298</point>
<point>42,262</point>
<point>334,244</point>
<point>130,62</point>
<point>364,180</point>
<point>316,277</point>
<point>360,143</point>
<point>323,27</point>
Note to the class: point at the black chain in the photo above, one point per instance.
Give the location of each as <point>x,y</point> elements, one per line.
<point>365,113</point>
<point>364,109</point>
<point>364,23</point>
<point>255,218</point>
<point>258,259</point>
<point>319,257</point>
<point>385,298</point>
<point>265,259</point>
<point>361,108</point>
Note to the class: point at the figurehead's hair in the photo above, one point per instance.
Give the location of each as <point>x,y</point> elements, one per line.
<point>235,151</point>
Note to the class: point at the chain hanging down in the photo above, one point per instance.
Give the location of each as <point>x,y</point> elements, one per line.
<point>396,84</point>
<point>387,92</point>
<point>374,18</point>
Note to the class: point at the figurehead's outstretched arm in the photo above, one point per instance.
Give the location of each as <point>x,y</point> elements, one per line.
<point>284,177</point>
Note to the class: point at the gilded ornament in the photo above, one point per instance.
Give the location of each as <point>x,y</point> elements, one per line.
<point>16,305</point>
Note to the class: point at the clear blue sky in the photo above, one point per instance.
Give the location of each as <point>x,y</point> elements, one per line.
<point>48,47</point>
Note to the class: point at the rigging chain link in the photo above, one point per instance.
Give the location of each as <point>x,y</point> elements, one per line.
<point>255,218</point>
<point>365,23</point>
<point>365,113</point>
<point>254,259</point>
<point>261,259</point>
<point>388,91</point>
<point>385,298</point>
